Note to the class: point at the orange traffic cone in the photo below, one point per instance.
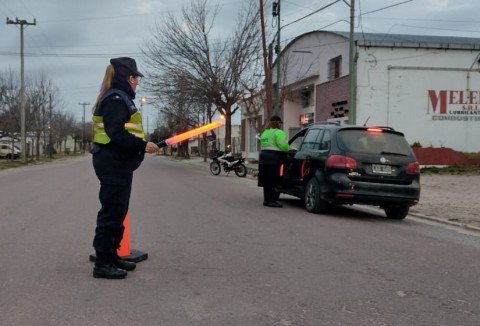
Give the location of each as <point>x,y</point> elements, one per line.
<point>125,249</point>
<point>125,252</point>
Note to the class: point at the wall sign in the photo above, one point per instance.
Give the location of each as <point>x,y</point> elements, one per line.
<point>454,105</point>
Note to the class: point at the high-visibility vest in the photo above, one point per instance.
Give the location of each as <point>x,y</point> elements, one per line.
<point>274,140</point>
<point>133,126</point>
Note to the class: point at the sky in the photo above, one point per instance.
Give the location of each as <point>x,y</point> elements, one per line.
<point>72,41</point>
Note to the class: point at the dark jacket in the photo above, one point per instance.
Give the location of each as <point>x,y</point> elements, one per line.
<point>115,113</point>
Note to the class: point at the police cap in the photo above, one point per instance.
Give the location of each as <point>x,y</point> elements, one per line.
<point>125,66</point>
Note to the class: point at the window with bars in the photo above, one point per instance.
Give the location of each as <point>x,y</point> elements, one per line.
<point>335,68</point>
<point>306,96</point>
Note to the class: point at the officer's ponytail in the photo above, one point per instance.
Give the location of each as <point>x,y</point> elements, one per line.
<point>106,83</point>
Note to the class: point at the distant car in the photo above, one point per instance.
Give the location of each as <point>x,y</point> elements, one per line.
<point>9,151</point>
<point>332,164</point>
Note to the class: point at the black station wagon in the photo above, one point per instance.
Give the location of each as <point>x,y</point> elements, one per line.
<point>331,164</point>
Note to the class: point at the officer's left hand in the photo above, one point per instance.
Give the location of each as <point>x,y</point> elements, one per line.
<point>151,148</point>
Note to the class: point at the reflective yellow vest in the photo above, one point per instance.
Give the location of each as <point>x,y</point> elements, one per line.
<point>133,126</point>
<point>274,140</point>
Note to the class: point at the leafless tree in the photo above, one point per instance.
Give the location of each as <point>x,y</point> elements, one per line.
<point>10,106</point>
<point>185,59</point>
<point>42,98</point>
<point>63,124</point>
<point>42,110</point>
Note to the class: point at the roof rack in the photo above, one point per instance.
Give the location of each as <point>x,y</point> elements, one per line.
<point>336,123</point>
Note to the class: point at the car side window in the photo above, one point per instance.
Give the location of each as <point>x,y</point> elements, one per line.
<point>297,140</point>
<point>326,141</point>
<point>311,140</point>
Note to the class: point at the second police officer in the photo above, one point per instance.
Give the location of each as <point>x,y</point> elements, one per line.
<point>274,145</point>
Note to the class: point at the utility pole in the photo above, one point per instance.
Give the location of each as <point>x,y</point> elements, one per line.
<point>276,13</point>
<point>267,66</point>
<point>143,100</point>
<point>22,23</point>
<point>50,145</point>
<point>148,131</point>
<point>351,68</point>
<point>83,128</point>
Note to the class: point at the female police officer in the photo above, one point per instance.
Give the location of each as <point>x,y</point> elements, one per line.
<point>119,148</point>
<point>274,145</point>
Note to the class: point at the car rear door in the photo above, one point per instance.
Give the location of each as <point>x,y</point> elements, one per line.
<point>309,150</point>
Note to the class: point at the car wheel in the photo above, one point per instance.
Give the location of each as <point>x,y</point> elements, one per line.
<point>313,202</point>
<point>397,212</point>
<point>215,168</point>
<point>241,170</point>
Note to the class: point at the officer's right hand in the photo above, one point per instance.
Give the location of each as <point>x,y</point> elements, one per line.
<point>151,148</point>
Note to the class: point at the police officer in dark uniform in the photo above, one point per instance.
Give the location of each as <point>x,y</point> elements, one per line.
<point>119,148</point>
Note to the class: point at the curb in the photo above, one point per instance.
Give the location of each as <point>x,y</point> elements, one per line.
<point>447,222</point>
<point>430,218</point>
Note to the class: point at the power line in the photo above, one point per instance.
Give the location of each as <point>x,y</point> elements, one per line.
<point>8,8</point>
<point>70,20</point>
<point>73,55</point>
<point>387,7</point>
<point>427,20</point>
<point>310,14</point>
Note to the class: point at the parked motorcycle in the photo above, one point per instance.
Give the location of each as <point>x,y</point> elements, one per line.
<point>228,162</point>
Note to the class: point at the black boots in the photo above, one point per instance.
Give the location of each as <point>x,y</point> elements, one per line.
<point>272,204</point>
<point>106,267</point>
<point>123,264</point>
<point>270,197</point>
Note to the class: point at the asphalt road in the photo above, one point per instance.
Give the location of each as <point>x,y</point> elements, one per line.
<point>218,257</point>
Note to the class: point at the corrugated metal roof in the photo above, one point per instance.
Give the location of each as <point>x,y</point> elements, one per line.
<point>416,41</point>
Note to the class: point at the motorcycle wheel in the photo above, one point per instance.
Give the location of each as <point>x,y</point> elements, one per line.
<point>215,168</point>
<point>241,170</point>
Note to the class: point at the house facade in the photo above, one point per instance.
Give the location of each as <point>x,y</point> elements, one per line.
<point>428,87</point>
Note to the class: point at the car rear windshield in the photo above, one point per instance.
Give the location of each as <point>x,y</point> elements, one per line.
<point>373,142</point>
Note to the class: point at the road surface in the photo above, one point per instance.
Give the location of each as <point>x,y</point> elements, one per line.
<point>218,257</point>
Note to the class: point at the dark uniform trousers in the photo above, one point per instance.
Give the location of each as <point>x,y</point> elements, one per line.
<point>115,172</point>
<point>269,173</point>
<point>269,178</point>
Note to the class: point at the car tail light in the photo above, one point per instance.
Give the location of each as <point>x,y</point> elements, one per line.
<point>342,162</point>
<point>413,168</point>
<point>374,130</point>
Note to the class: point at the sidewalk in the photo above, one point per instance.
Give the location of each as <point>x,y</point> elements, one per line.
<point>448,199</point>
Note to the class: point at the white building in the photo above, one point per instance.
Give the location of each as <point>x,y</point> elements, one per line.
<point>428,87</point>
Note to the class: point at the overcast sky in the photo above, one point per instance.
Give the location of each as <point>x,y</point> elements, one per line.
<point>73,41</point>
